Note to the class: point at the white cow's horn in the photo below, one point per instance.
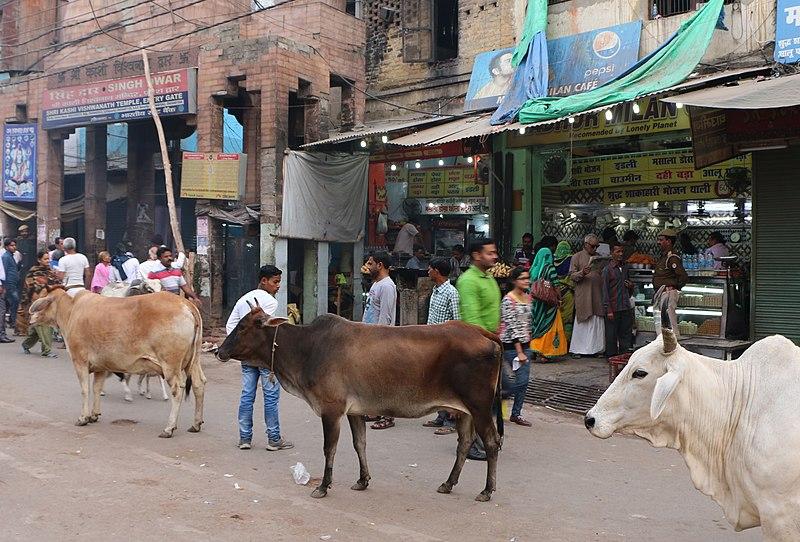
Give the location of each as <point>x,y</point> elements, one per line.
<point>670,342</point>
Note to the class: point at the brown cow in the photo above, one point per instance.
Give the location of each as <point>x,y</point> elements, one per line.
<point>158,333</point>
<point>345,368</point>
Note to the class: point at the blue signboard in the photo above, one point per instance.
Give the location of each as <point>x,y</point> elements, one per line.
<point>577,63</point>
<point>19,162</point>
<point>787,32</point>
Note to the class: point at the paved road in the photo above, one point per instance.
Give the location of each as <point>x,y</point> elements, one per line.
<point>116,479</point>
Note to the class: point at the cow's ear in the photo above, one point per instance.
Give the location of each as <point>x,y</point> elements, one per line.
<point>274,322</point>
<point>41,304</point>
<point>665,386</point>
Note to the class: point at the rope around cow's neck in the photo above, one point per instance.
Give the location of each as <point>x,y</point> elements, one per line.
<point>272,358</point>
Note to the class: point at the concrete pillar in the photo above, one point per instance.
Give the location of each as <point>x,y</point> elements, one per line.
<point>323,258</point>
<point>358,298</point>
<point>95,188</point>
<point>252,138</point>
<point>50,187</point>
<point>216,252</point>
<point>142,142</point>
<point>310,283</point>
<point>282,263</point>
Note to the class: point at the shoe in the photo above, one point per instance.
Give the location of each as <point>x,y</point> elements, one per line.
<point>6,340</point>
<point>282,444</point>
<point>48,355</point>
<point>519,420</point>
<point>26,351</point>
<point>244,444</point>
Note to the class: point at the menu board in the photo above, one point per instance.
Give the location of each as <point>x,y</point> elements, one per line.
<point>440,183</point>
<point>213,175</point>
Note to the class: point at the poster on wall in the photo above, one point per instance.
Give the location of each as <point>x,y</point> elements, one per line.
<point>578,63</point>
<point>19,162</point>
<point>787,32</point>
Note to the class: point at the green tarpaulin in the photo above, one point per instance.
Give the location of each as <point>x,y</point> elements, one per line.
<point>535,22</point>
<point>667,66</point>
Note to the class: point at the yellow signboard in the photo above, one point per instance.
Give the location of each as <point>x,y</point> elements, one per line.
<point>653,117</point>
<point>666,191</point>
<point>439,183</point>
<point>213,175</point>
<point>655,167</point>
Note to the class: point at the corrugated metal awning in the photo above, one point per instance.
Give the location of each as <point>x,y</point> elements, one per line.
<point>748,94</point>
<point>375,128</point>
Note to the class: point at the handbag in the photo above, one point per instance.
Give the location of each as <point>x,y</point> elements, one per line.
<point>544,291</point>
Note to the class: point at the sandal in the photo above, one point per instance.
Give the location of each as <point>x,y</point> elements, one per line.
<point>383,423</point>
<point>447,430</point>
<point>372,418</point>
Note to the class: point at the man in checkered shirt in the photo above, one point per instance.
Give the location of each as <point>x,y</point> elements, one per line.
<point>443,307</point>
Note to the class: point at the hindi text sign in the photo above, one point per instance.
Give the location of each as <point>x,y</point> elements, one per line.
<point>213,175</point>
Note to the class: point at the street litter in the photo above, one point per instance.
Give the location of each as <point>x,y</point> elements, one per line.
<point>228,475</point>
<point>325,537</point>
<point>300,474</point>
<point>413,465</point>
<point>236,485</point>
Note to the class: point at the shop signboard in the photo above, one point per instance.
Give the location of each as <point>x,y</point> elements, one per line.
<point>787,32</point>
<point>654,117</point>
<point>577,63</point>
<point>213,175</point>
<point>120,100</point>
<point>19,162</point>
<point>439,183</point>
<point>644,168</point>
<point>751,126</point>
<point>709,136</point>
<point>454,206</point>
<point>667,191</point>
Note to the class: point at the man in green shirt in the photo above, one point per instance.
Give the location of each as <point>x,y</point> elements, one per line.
<point>479,304</point>
<point>478,292</point>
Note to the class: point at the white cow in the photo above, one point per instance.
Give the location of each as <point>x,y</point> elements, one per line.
<point>734,422</point>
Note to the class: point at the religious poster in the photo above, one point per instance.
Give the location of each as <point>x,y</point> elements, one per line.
<point>19,162</point>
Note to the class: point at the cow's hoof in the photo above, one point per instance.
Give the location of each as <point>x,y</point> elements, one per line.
<point>319,493</point>
<point>445,488</point>
<point>165,434</point>
<point>82,421</point>
<point>361,485</point>
<point>141,393</point>
<point>195,428</point>
<point>93,418</point>
<point>484,496</point>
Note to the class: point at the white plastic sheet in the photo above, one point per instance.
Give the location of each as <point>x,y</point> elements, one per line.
<point>324,196</point>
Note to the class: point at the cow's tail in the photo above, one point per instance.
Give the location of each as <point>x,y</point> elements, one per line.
<point>197,344</point>
<point>498,399</point>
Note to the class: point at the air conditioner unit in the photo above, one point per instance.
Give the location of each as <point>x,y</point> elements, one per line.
<point>557,170</point>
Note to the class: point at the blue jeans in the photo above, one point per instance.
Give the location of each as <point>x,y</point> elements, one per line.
<point>515,383</point>
<point>12,304</point>
<point>272,393</point>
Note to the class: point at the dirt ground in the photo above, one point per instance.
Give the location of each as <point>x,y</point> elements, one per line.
<point>117,480</point>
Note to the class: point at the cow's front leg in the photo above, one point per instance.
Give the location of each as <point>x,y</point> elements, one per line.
<point>359,429</point>
<point>330,430</point>
<point>176,384</point>
<point>466,434</point>
<point>99,382</point>
<point>82,370</point>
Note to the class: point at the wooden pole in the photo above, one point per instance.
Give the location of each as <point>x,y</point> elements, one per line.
<point>173,215</point>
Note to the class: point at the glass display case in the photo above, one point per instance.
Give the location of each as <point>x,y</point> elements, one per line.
<point>702,306</point>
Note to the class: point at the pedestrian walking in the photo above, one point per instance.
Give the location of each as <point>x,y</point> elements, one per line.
<point>170,277</point>
<point>381,308</point>
<point>3,337</point>
<point>73,269</point>
<point>617,290</point>
<point>515,334</point>
<point>269,282</point>
<point>11,284</point>
<point>668,279</point>
<point>547,328</point>
<point>443,307</point>
<point>589,331</point>
<point>562,260</point>
<point>40,280</point>
<point>479,303</point>
<point>104,273</point>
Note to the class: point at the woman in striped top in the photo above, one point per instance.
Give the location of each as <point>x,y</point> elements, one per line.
<point>515,333</point>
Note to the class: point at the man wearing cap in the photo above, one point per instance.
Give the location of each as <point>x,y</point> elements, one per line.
<point>668,279</point>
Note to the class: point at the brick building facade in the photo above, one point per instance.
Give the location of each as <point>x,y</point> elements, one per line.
<point>288,73</point>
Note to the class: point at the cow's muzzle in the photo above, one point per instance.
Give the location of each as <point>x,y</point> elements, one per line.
<point>588,421</point>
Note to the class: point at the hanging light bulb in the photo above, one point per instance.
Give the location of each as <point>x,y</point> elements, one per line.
<point>363,143</point>
<point>636,108</point>
<point>522,131</point>
<point>470,159</point>
<point>393,167</point>
<point>622,204</point>
<point>655,221</point>
<point>571,120</point>
<point>441,162</point>
<point>679,105</point>
<point>609,114</point>
<point>384,138</point>
<point>622,220</point>
<point>417,164</point>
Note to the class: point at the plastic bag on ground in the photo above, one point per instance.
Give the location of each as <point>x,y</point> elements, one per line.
<point>300,474</point>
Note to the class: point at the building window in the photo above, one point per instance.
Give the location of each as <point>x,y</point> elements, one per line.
<point>355,8</point>
<point>667,8</point>
<point>430,30</point>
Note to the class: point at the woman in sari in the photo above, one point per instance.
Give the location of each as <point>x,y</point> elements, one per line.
<point>562,258</point>
<point>40,280</point>
<point>104,273</point>
<point>547,328</point>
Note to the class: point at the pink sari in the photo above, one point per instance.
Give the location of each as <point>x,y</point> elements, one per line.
<point>102,276</point>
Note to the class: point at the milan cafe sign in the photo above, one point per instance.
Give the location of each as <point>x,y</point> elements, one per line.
<point>119,100</point>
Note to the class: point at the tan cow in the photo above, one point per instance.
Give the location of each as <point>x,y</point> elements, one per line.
<point>159,334</point>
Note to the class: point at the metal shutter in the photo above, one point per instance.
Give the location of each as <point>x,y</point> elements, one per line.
<point>776,244</point>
